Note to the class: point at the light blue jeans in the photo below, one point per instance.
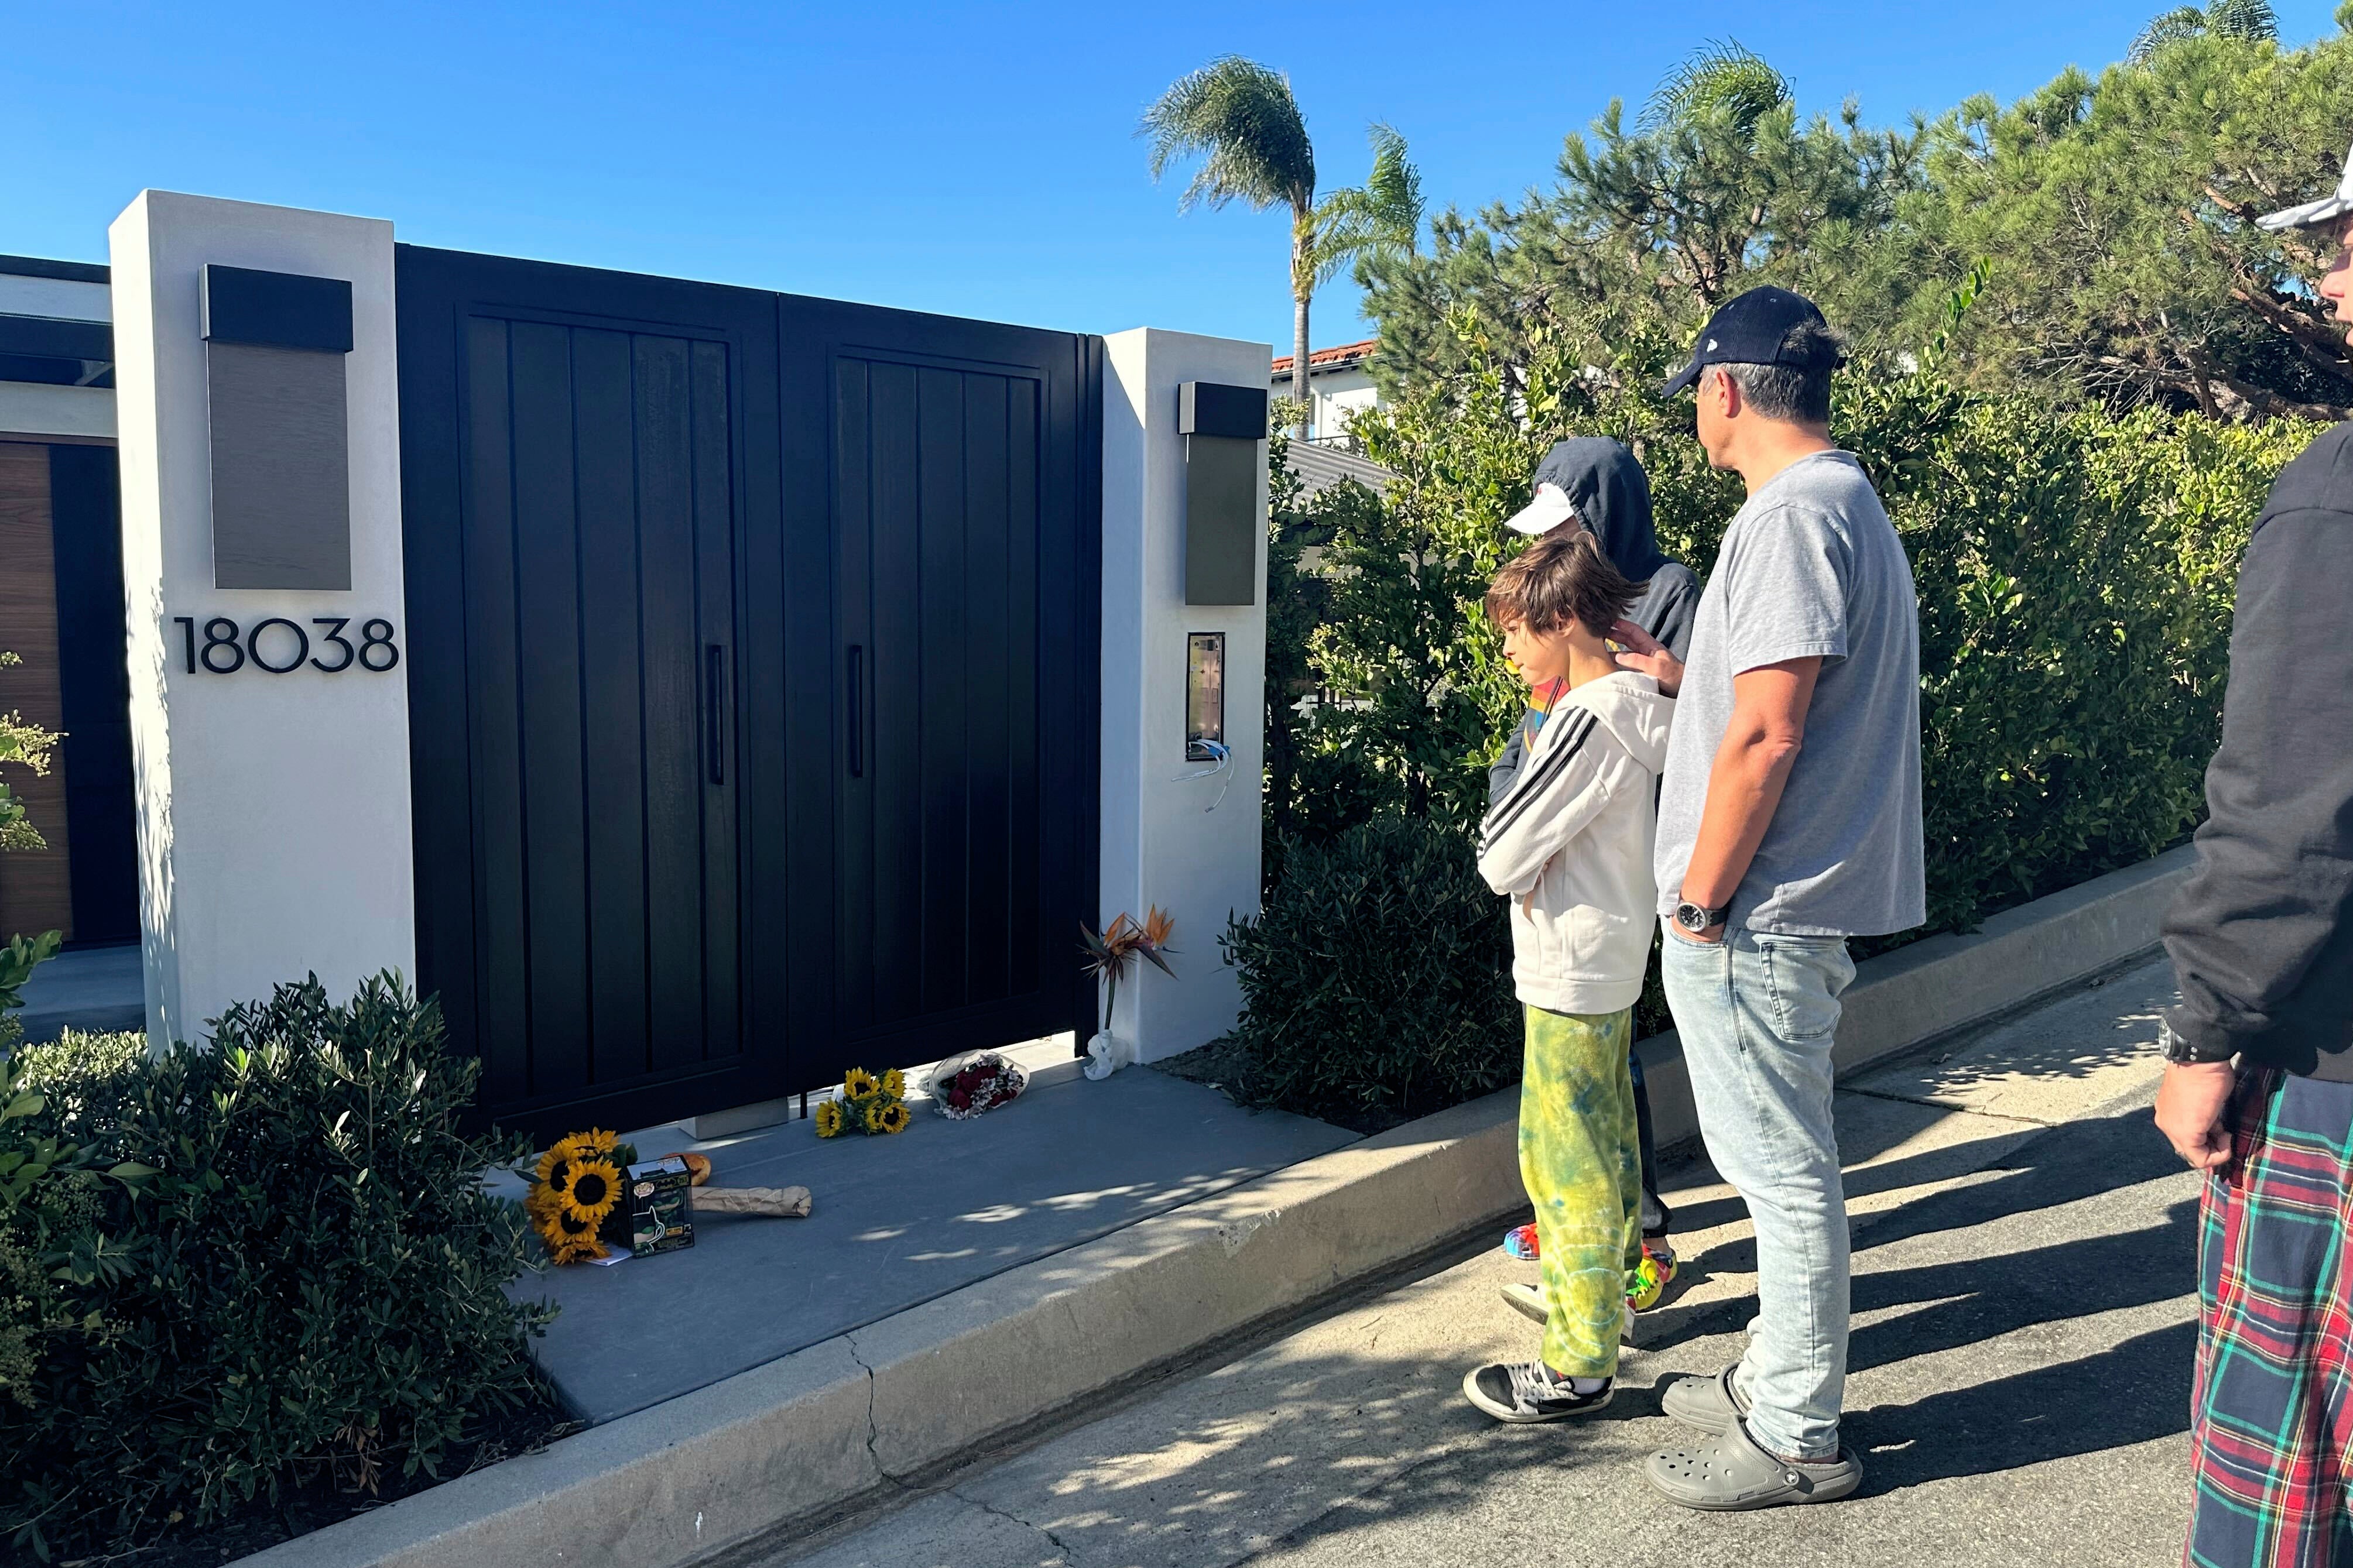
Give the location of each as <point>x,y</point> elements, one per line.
<point>1756,1015</point>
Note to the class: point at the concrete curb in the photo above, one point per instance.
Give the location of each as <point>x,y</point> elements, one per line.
<point>748,1460</point>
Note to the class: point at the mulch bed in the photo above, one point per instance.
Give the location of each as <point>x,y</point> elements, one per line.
<point>315,1503</point>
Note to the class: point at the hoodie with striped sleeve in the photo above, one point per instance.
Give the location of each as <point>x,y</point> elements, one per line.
<point>1568,840</point>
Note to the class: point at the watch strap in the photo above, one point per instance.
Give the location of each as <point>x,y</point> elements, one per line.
<point>2185,1052</point>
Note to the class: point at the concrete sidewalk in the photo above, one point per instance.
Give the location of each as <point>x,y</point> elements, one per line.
<point>2021,1369</point>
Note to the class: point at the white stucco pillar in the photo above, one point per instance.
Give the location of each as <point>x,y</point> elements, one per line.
<point>1186,843</point>
<point>274,834</point>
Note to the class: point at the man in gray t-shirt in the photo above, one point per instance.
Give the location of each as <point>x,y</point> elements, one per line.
<point>1789,820</point>
<point>1810,568</point>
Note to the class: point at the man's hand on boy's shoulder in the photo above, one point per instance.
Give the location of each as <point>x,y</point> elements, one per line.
<point>1649,656</point>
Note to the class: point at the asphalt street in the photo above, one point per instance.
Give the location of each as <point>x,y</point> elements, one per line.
<point>2024,1323</point>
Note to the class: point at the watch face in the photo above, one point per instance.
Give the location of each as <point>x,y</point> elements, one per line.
<point>1691,917</point>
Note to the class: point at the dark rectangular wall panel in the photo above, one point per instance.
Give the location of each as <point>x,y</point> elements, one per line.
<point>1222,522</point>
<point>281,474</point>
<point>276,309</point>
<point>1213,408</point>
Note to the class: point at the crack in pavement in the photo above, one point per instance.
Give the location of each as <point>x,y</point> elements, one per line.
<point>1070,1558</point>
<point>873,1430</point>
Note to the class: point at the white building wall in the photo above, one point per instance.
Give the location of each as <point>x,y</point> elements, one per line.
<point>1187,844</point>
<point>274,837</point>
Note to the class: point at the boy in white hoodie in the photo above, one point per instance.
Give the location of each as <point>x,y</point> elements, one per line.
<point>1569,841</point>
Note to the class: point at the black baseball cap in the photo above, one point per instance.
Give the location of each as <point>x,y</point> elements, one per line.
<point>1750,328</point>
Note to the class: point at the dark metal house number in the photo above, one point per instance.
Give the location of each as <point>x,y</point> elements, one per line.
<point>228,647</point>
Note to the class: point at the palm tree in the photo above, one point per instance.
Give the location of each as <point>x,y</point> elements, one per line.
<point>1240,119</point>
<point>1723,78</point>
<point>2254,20</point>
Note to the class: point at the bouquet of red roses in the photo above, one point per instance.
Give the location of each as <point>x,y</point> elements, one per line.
<point>966,1087</point>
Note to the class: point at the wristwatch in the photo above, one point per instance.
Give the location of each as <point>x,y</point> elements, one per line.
<point>1694,918</point>
<point>2183,1053</point>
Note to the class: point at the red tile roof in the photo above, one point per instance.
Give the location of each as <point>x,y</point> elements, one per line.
<point>1327,359</point>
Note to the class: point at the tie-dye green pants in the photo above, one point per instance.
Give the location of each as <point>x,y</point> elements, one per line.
<point>1581,1161</point>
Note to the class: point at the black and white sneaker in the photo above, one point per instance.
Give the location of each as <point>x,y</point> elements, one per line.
<point>1528,1390</point>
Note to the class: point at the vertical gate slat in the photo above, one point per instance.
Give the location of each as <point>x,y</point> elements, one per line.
<point>895,695</point>
<point>548,564</point>
<point>674,848</point>
<point>613,704</point>
<point>1022,681</point>
<point>855,944</point>
<point>714,560</point>
<point>941,700</point>
<point>502,926</point>
<point>989,868</point>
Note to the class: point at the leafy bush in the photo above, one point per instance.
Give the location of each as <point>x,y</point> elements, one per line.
<point>319,1278</point>
<point>2075,570</point>
<point>1378,978</point>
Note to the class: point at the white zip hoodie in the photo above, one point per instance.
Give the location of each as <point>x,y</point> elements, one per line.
<point>1569,841</point>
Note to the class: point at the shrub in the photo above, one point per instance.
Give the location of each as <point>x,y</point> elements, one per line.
<point>2075,570</point>
<point>320,1274</point>
<point>1378,978</point>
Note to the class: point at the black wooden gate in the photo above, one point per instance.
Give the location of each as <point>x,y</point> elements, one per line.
<point>753,660</point>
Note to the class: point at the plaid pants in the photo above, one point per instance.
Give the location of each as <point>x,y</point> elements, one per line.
<point>2272,1412</point>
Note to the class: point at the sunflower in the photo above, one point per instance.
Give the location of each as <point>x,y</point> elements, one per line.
<point>858,1083</point>
<point>596,1140</point>
<point>595,1188</point>
<point>889,1117</point>
<point>894,1084</point>
<point>828,1117</point>
<point>555,1165</point>
<point>871,1119</point>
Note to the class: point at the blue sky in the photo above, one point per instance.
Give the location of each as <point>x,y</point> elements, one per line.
<point>971,159</point>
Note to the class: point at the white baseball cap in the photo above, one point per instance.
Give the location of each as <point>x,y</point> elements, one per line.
<point>2327,208</point>
<point>1548,510</point>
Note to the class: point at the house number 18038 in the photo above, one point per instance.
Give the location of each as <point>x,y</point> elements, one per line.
<point>228,647</point>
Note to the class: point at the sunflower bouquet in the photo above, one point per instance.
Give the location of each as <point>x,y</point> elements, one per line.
<point>876,1106</point>
<point>573,1193</point>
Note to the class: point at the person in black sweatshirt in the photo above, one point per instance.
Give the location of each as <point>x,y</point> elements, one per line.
<point>1593,484</point>
<point>2261,937</point>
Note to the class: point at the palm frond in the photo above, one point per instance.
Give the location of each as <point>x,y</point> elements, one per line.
<point>2183,22</point>
<point>2254,21</point>
<point>1722,77</point>
<point>1381,216</point>
<point>1240,119</point>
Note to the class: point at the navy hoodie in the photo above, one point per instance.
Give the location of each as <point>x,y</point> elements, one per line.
<point>2262,934</point>
<point>1606,483</point>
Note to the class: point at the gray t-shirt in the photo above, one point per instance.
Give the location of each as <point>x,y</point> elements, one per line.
<point>1811,566</point>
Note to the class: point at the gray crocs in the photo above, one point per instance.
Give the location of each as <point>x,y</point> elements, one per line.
<point>1709,1405</point>
<point>1729,1473</point>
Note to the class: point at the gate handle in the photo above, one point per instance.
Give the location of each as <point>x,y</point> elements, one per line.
<point>714,689</point>
<point>857,712</point>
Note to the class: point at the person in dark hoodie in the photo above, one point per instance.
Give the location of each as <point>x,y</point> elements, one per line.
<point>2262,942</point>
<point>1594,484</point>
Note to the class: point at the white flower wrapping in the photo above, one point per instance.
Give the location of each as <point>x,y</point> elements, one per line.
<point>961,1087</point>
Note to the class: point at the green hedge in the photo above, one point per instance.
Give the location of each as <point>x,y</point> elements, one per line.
<point>307,1279</point>
<point>1378,977</point>
<point>2076,572</point>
